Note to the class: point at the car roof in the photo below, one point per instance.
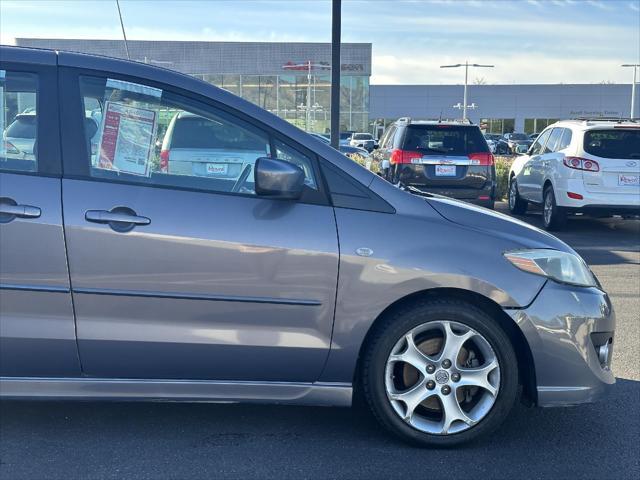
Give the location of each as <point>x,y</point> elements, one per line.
<point>597,123</point>
<point>456,123</point>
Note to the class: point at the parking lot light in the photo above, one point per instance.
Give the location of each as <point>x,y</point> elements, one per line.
<point>466,66</point>
<point>633,87</point>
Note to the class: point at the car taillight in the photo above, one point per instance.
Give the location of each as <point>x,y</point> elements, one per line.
<point>481,158</point>
<point>403,156</point>
<point>164,161</point>
<point>578,163</point>
<point>10,148</point>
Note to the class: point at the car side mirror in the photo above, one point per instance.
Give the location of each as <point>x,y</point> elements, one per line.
<point>278,179</point>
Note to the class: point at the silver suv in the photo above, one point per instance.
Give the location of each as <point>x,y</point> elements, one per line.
<point>301,279</point>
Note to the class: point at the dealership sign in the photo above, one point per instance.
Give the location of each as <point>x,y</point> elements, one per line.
<point>304,66</point>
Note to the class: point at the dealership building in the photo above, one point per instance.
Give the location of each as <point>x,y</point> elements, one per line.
<point>292,80</point>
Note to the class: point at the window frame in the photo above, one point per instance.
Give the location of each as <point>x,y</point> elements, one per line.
<point>76,163</point>
<point>48,153</point>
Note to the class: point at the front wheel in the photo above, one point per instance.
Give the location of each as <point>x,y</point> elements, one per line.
<point>440,373</point>
<point>517,205</point>
<point>553,216</point>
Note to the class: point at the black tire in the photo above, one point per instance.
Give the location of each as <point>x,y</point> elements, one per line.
<point>556,217</point>
<point>517,205</point>
<point>396,325</point>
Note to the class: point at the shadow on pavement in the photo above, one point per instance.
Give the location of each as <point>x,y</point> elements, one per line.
<point>162,440</point>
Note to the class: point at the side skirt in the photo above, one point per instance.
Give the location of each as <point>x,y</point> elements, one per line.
<point>319,394</point>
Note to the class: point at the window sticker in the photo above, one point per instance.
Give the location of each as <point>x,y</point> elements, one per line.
<point>3,147</point>
<point>134,87</point>
<point>126,139</point>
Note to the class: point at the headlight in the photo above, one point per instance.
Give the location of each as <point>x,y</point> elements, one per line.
<point>559,266</point>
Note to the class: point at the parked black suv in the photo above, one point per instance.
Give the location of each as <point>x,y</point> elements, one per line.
<point>447,158</point>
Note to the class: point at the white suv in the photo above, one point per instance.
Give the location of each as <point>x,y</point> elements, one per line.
<point>579,166</point>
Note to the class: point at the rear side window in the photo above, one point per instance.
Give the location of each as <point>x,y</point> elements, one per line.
<point>613,143</point>
<point>554,139</point>
<point>18,121</point>
<point>142,134</point>
<point>565,141</point>
<point>444,139</point>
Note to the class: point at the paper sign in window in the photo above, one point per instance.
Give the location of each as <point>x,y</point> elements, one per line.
<point>126,141</point>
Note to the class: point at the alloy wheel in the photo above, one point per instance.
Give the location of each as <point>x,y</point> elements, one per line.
<point>548,208</point>
<point>442,377</point>
<point>512,195</point>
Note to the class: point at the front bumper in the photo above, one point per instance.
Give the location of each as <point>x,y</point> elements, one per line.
<point>565,327</point>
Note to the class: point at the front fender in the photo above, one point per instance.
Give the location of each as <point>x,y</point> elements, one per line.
<point>412,254</point>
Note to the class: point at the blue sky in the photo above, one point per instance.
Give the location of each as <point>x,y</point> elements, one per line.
<point>529,41</point>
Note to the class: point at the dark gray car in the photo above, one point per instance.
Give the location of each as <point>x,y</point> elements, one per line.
<point>301,278</point>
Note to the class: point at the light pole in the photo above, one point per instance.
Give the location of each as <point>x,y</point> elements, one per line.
<point>633,87</point>
<point>466,66</point>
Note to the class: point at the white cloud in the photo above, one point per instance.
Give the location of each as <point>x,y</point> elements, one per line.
<point>532,69</point>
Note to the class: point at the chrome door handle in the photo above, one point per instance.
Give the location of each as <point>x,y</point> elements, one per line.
<point>106,216</point>
<point>10,209</point>
<point>120,219</point>
<point>22,211</point>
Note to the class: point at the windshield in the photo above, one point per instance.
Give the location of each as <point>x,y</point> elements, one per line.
<point>362,136</point>
<point>518,136</point>
<point>23,127</point>
<point>445,139</point>
<point>613,143</point>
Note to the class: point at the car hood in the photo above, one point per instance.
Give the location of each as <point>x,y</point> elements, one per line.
<point>496,224</point>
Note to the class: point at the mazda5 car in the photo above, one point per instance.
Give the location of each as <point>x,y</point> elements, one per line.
<point>255,263</point>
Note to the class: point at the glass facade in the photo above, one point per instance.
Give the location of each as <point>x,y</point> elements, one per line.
<point>303,101</point>
<point>536,125</point>
<point>498,125</point>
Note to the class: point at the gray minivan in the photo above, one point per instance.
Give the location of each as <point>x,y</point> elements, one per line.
<point>301,279</point>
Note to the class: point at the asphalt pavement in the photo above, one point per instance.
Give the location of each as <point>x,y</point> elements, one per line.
<point>65,440</point>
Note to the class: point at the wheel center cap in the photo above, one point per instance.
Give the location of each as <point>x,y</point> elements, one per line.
<point>442,377</point>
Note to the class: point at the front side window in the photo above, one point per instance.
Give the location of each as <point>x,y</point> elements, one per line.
<point>18,121</point>
<point>147,135</point>
<point>540,142</point>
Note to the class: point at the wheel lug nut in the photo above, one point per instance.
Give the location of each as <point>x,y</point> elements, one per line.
<point>431,385</point>
<point>446,390</point>
<point>455,377</point>
<point>431,368</point>
<point>446,363</point>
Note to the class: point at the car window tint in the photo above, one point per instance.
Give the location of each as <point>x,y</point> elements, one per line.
<point>565,140</point>
<point>554,139</point>
<point>139,133</point>
<point>291,155</point>
<point>613,143</point>
<point>444,139</point>
<point>18,121</point>
<point>538,145</point>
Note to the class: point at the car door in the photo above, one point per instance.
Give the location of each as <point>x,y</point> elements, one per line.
<point>542,164</point>
<point>37,330</point>
<point>190,275</point>
<point>527,176</point>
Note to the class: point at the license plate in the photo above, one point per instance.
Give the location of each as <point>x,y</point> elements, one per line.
<point>445,170</point>
<point>631,180</point>
<point>217,168</point>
